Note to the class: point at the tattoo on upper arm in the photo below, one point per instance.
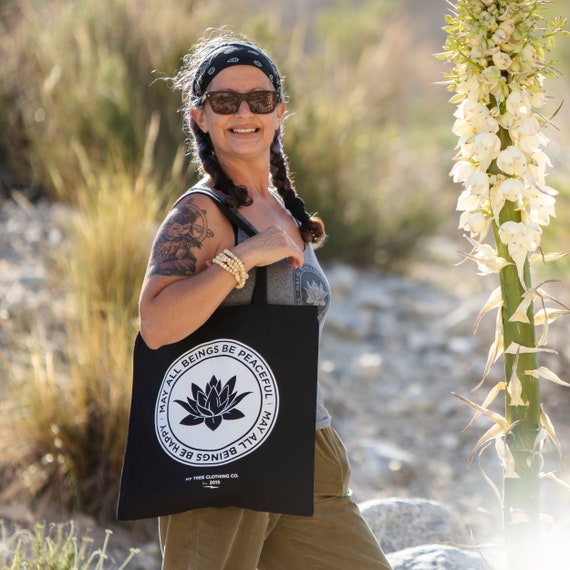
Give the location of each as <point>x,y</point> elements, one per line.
<point>184,232</point>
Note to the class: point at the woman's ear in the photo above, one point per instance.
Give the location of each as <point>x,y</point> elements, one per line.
<point>199,118</point>
<point>280,115</point>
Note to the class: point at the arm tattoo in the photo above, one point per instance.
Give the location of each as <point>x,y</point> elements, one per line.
<point>181,235</point>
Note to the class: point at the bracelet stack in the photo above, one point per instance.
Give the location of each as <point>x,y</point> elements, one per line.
<point>232,264</point>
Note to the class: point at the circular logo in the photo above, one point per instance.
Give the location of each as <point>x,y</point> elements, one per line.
<point>217,402</point>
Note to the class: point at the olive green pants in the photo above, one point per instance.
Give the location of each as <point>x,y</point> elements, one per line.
<point>336,537</point>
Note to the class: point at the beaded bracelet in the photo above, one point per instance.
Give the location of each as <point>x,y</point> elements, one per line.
<point>232,264</point>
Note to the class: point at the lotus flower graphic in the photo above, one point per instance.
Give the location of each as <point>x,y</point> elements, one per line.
<point>316,294</point>
<point>210,406</point>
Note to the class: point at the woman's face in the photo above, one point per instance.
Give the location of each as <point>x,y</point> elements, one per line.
<point>243,135</point>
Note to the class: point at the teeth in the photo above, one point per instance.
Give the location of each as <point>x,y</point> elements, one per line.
<point>243,131</point>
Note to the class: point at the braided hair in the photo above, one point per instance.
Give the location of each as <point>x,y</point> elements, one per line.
<point>312,228</point>
<point>191,77</point>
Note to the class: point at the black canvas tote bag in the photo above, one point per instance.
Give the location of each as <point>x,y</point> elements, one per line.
<point>226,416</point>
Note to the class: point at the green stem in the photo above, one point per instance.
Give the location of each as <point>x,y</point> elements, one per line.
<point>521,507</point>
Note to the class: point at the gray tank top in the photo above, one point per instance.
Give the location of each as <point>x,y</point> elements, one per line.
<point>306,285</point>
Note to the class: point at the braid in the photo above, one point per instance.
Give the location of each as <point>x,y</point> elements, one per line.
<point>312,228</point>
<point>236,196</point>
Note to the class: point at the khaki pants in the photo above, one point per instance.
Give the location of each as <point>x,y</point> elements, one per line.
<point>336,537</point>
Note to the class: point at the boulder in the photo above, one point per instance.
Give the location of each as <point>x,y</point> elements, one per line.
<point>404,523</point>
<point>435,556</point>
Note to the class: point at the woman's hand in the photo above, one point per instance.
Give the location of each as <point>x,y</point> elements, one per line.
<point>269,246</point>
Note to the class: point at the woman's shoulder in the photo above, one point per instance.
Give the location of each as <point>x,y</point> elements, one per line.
<point>199,193</point>
<point>197,214</point>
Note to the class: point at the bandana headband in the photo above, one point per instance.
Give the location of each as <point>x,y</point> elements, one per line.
<point>227,55</point>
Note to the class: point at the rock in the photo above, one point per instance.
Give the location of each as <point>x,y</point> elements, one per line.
<point>383,462</point>
<point>405,523</point>
<point>435,557</point>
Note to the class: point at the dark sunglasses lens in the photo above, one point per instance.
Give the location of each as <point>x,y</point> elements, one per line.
<point>262,102</point>
<point>224,103</point>
<point>227,102</point>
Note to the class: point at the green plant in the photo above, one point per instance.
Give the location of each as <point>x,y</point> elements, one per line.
<point>80,73</point>
<point>54,547</point>
<point>353,146</point>
<point>500,51</point>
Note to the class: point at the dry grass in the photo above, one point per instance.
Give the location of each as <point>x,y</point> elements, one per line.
<point>71,409</point>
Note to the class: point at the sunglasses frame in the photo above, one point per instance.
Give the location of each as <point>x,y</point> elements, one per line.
<point>241,97</point>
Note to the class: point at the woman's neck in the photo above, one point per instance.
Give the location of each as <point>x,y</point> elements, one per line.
<point>256,180</point>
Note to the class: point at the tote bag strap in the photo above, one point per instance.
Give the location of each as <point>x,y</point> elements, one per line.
<point>259,295</point>
<point>235,218</point>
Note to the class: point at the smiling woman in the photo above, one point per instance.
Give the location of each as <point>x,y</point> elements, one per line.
<point>245,216</point>
<point>253,395</point>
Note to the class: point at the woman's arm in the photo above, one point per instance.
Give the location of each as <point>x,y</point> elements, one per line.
<point>182,288</point>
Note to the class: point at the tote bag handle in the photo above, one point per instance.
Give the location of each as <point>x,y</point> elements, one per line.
<point>260,289</point>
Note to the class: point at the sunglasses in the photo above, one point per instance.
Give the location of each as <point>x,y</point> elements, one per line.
<point>228,102</point>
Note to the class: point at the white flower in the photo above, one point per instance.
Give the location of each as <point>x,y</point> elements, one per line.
<point>499,37</point>
<point>495,83</point>
<point>486,149</point>
<point>468,202</point>
<point>520,239</point>
<point>487,260</point>
<point>462,170</point>
<point>525,127</point>
<point>518,104</point>
<point>477,224</point>
<point>506,120</point>
<point>508,26</point>
<point>502,60</point>
<point>541,203</point>
<point>508,189</point>
<point>537,167</point>
<point>473,118</point>
<point>538,98</point>
<point>511,188</point>
<point>472,88</point>
<point>478,183</point>
<point>512,161</point>
<point>529,56</point>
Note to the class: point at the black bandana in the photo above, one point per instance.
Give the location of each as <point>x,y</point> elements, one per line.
<point>235,53</point>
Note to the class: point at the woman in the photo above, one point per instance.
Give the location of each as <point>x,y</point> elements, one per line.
<point>234,105</point>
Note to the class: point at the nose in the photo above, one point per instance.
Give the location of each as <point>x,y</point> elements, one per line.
<point>243,108</point>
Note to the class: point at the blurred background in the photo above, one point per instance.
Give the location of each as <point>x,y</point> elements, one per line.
<point>89,125</point>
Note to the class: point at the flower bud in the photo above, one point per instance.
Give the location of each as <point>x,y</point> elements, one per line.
<point>512,161</point>
<point>502,60</point>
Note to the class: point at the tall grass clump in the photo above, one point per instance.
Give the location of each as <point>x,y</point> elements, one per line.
<point>54,547</point>
<point>63,432</point>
